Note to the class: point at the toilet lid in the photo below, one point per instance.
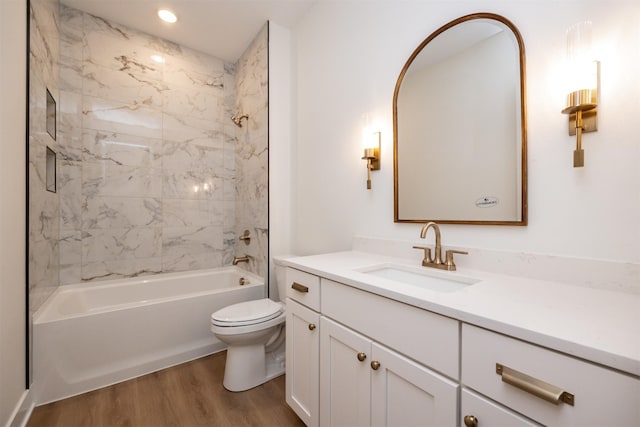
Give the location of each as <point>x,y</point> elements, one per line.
<point>247,313</point>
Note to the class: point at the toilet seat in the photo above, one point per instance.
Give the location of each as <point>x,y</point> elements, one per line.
<point>247,313</point>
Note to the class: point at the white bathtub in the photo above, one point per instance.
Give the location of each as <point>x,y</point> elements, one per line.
<point>91,335</point>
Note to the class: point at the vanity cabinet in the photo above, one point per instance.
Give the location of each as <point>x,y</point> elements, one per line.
<point>347,360</point>
<point>357,358</point>
<point>364,383</point>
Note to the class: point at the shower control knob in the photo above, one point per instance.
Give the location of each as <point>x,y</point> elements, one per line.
<point>470,421</point>
<point>312,326</point>
<point>361,357</point>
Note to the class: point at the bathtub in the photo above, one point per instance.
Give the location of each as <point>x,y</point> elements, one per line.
<point>91,335</point>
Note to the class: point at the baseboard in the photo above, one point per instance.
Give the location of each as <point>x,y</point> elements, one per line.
<point>22,412</point>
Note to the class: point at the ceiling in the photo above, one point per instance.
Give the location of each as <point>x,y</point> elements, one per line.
<point>222,28</point>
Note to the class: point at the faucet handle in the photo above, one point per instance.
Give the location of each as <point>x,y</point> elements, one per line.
<point>451,266</point>
<point>427,254</point>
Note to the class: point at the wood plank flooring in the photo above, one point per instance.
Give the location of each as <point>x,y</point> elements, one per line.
<point>186,395</point>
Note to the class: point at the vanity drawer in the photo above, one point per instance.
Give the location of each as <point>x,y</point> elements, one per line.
<point>488,413</point>
<point>304,288</point>
<point>429,338</point>
<point>600,396</point>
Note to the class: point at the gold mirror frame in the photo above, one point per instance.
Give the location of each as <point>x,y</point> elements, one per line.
<point>523,117</point>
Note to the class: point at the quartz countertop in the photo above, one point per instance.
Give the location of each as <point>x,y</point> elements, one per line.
<point>597,325</point>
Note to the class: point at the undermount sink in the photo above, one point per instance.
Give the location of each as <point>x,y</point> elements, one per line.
<point>421,277</point>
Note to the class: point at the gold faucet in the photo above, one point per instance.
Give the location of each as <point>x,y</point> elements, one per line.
<point>438,248</point>
<point>236,259</point>
<point>427,261</point>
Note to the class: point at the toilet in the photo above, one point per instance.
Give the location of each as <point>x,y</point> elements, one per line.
<point>254,333</point>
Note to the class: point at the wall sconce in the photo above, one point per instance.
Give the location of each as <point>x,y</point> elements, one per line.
<point>583,78</point>
<point>371,143</point>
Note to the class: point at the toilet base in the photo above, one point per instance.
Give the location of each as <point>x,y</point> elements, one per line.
<point>249,366</point>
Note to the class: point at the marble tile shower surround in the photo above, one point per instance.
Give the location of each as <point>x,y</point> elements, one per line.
<point>44,217</point>
<point>148,175</point>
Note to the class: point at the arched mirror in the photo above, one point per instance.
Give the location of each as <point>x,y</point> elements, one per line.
<point>459,119</point>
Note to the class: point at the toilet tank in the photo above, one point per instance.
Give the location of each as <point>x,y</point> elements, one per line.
<point>280,270</point>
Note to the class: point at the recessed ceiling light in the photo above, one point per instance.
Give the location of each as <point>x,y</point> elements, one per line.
<point>167,15</point>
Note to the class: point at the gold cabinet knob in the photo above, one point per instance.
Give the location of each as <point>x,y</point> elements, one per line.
<point>312,326</point>
<point>470,421</point>
<point>361,357</point>
<point>375,365</point>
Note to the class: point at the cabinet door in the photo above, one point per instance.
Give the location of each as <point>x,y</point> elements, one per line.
<point>486,413</point>
<point>404,393</point>
<point>302,362</point>
<point>345,379</point>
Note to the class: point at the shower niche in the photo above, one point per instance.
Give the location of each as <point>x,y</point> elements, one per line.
<point>51,116</point>
<point>50,171</point>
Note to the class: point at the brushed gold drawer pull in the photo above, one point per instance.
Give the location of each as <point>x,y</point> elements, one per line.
<point>300,288</point>
<point>362,356</point>
<point>312,326</point>
<point>538,388</point>
<point>375,365</point>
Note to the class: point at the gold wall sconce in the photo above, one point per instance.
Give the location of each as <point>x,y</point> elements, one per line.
<point>583,86</point>
<point>371,142</point>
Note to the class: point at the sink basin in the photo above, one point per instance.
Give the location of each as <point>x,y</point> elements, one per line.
<point>421,277</point>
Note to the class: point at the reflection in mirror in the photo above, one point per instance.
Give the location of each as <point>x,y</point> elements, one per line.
<point>460,126</point>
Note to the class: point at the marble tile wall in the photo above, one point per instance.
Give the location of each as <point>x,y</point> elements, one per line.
<point>252,153</point>
<point>44,218</point>
<point>148,172</point>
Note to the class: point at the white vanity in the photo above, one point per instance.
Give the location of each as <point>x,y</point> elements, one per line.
<point>374,340</point>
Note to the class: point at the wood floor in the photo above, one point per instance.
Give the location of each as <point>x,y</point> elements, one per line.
<point>186,395</point>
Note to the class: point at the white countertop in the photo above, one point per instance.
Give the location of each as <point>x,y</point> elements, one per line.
<point>598,325</point>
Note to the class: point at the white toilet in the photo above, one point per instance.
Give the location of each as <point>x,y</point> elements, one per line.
<point>254,334</point>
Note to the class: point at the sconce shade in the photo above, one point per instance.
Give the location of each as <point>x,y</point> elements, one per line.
<point>369,153</point>
<point>579,41</point>
<point>581,100</point>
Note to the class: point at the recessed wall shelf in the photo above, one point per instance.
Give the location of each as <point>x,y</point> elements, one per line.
<point>51,170</point>
<point>51,115</point>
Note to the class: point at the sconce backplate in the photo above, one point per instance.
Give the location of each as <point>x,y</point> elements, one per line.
<point>589,120</point>
<point>375,163</point>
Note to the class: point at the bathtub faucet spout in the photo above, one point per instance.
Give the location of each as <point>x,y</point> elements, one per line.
<point>236,259</point>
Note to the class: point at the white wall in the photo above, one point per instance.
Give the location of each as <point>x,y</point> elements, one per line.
<point>349,55</point>
<point>13,48</point>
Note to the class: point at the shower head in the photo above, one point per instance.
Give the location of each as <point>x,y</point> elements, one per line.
<point>237,119</point>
